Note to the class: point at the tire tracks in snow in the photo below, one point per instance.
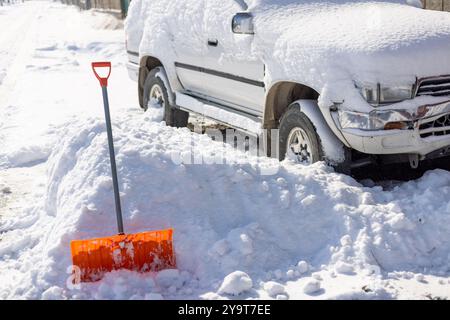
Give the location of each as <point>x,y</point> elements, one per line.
<point>17,185</point>
<point>19,42</point>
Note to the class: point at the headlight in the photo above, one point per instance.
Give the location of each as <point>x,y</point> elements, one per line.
<point>376,120</point>
<point>357,120</point>
<point>379,94</point>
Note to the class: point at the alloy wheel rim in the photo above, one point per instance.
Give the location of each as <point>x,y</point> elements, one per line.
<point>299,146</point>
<point>156,97</point>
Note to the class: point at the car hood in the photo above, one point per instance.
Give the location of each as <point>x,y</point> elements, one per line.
<point>329,44</point>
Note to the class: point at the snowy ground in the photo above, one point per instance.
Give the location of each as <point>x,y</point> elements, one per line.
<point>300,233</point>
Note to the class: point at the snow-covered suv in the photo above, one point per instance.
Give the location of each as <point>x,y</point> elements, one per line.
<point>337,80</point>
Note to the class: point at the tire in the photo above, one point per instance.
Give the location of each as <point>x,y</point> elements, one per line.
<point>296,126</point>
<point>172,116</point>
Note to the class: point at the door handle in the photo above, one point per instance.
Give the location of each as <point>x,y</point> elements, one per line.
<point>213,42</point>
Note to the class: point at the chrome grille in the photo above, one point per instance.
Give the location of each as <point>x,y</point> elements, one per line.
<point>436,86</point>
<point>439,126</point>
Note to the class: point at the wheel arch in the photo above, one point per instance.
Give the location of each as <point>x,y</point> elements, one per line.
<point>332,147</point>
<point>280,96</point>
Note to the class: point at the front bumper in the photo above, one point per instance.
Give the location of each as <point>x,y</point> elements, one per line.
<point>427,129</point>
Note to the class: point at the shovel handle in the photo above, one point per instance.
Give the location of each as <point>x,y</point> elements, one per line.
<point>103,80</point>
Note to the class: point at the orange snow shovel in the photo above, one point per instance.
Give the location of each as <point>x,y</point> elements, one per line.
<point>143,252</point>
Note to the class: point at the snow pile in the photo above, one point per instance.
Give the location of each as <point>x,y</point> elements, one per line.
<point>274,289</point>
<point>29,154</point>
<point>227,217</point>
<point>327,45</point>
<point>311,287</point>
<point>236,283</point>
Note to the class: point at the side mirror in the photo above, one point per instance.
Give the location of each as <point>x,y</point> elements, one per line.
<point>243,23</point>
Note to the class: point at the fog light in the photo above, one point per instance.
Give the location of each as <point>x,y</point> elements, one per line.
<point>396,126</point>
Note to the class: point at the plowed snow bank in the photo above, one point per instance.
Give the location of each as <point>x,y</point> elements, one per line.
<point>227,217</point>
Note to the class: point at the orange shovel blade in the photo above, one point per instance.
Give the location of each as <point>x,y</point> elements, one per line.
<point>143,252</point>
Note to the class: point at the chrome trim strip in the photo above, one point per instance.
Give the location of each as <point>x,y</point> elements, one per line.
<point>220,74</point>
<point>233,108</point>
<point>421,84</point>
<point>434,130</point>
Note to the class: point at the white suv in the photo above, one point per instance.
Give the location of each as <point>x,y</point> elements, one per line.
<point>348,82</point>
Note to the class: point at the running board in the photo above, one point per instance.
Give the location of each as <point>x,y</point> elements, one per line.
<point>222,114</point>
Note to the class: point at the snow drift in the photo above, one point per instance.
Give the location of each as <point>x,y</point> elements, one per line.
<point>227,217</point>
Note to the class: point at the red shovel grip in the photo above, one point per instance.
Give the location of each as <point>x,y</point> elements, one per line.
<point>103,80</point>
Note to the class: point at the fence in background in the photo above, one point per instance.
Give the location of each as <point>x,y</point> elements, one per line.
<point>5,2</point>
<point>443,5</point>
<point>119,7</point>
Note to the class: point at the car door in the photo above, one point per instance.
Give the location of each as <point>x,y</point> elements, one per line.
<point>189,43</point>
<point>227,73</point>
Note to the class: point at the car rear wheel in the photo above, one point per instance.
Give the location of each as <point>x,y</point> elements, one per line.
<point>156,95</point>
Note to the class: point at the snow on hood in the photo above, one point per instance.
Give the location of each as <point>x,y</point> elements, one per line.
<point>330,44</point>
<point>326,45</point>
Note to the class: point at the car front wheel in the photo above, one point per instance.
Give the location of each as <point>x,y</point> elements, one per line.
<point>298,139</point>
